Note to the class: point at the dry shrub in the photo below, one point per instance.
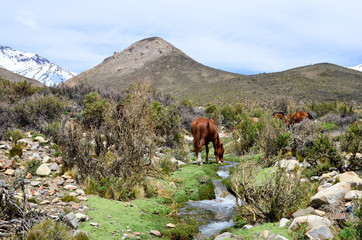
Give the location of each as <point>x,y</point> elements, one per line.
<point>116,155</point>
<point>273,139</point>
<point>276,196</point>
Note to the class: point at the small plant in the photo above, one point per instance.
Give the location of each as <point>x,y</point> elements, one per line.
<point>68,198</point>
<point>32,165</point>
<point>15,135</point>
<point>16,150</point>
<point>351,141</point>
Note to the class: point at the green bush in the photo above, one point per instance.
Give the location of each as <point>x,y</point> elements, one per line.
<point>16,150</point>
<point>32,165</point>
<point>246,135</point>
<point>351,142</point>
<point>94,109</point>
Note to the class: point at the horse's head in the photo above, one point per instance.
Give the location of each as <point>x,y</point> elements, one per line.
<point>220,153</point>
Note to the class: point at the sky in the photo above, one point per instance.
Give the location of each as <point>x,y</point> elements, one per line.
<point>247,37</point>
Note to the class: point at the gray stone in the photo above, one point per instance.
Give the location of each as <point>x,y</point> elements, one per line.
<point>247,226</point>
<point>311,221</point>
<point>35,146</point>
<point>320,233</point>
<point>283,222</point>
<point>226,235</point>
<point>81,217</point>
<point>40,139</point>
<point>353,195</point>
<point>54,167</point>
<point>36,155</point>
<point>72,220</point>
<point>35,183</point>
<point>3,184</point>
<point>43,170</point>
<point>303,212</point>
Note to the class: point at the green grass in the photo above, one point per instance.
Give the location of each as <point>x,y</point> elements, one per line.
<point>328,126</point>
<point>195,182</point>
<point>257,230</point>
<point>148,214</point>
<point>263,173</point>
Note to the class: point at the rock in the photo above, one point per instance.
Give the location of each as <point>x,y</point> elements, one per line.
<point>80,192</point>
<point>54,167</point>
<point>94,224</point>
<point>283,222</point>
<point>170,225</point>
<point>5,146</point>
<point>332,174</point>
<point>73,194</point>
<point>155,233</point>
<point>35,183</point>
<point>40,139</point>
<point>330,195</point>
<point>34,146</point>
<point>303,212</point>
<point>56,200</point>
<point>36,155</point>
<point>29,175</point>
<point>82,198</point>
<point>311,221</point>
<point>10,172</point>
<point>226,235</point>
<point>46,159</point>
<point>289,165</point>
<point>45,202</point>
<point>178,162</point>
<point>351,177</point>
<point>319,213</point>
<point>324,177</point>
<point>314,178</point>
<point>70,187</point>
<point>51,192</point>
<point>58,181</point>
<point>321,232</point>
<point>353,195</point>
<point>66,176</point>
<point>43,170</point>
<point>75,233</point>
<point>3,184</point>
<point>72,220</point>
<point>81,217</point>
<point>247,226</point>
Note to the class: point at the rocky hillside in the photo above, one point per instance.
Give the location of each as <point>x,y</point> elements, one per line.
<point>13,77</point>
<point>157,62</point>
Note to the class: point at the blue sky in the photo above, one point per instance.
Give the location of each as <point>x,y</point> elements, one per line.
<point>247,37</point>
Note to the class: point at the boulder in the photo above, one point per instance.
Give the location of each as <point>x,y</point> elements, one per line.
<point>351,177</point>
<point>289,165</point>
<point>353,195</point>
<point>304,212</point>
<point>311,221</point>
<point>331,195</point>
<point>283,222</point>
<point>155,233</point>
<point>46,159</point>
<point>320,233</point>
<point>81,217</point>
<point>71,220</point>
<point>43,170</point>
<point>226,235</point>
<point>40,139</point>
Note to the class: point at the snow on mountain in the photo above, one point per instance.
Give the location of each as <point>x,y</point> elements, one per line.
<point>358,67</point>
<point>33,66</point>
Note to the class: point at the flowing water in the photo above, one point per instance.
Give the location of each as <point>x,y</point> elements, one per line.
<point>217,213</point>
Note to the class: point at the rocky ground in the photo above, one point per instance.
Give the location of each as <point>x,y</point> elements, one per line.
<point>47,190</point>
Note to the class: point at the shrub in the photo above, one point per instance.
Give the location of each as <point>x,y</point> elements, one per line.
<point>351,141</point>
<point>16,150</point>
<point>49,229</point>
<point>94,109</point>
<point>32,165</point>
<point>277,196</point>
<point>353,227</point>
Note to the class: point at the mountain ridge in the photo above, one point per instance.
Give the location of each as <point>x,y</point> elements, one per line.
<point>156,62</point>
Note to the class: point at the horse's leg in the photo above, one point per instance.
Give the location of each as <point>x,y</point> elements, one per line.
<point>216,156</point>
<point>207,152</point>
<point>199,150</point>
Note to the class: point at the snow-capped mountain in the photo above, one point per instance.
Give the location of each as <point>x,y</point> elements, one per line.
<point>358,67</point>
<point>33,66</point>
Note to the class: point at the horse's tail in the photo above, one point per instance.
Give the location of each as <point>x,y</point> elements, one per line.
<point>310,116</point>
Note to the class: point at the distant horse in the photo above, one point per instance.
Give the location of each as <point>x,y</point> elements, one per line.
<point>204,131</point>
<point>290,120</point>
<point>279,115</point>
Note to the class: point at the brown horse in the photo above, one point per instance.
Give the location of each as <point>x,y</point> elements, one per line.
<point>204,131</point>
<point>290,120</point>
<point>279,115</point>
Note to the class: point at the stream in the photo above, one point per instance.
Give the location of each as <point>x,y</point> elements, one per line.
<point>217,213</point>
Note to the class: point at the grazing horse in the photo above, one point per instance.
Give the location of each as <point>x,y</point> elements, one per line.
<point>290,120</point>
<point>204,131</point>
<point>279,115</point>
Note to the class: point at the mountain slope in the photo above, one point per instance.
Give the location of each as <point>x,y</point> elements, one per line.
<point>33,66</point>
<point>13,77</point>
<point>152,61</point>
<point>166,68</point>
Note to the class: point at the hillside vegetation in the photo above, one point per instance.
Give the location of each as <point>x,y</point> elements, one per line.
<point>166,68</point>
